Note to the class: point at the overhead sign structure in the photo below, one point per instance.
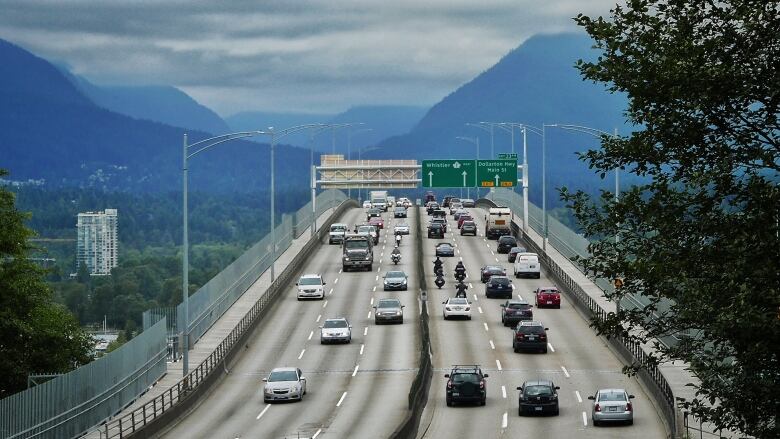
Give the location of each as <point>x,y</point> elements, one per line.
<point>337,173</point>
<point>469,173</point>
<point>507,155</point>
<point>497,173</point>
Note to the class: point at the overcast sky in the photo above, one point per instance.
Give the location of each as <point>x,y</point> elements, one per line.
<point>287,55</point>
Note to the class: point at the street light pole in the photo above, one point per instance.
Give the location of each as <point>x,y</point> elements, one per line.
<point>273,207</point>
<point>544,188</point>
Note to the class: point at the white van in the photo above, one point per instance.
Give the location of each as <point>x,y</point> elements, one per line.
<point>336,234</point>
<point>311,286</point>
<point>527,264</point>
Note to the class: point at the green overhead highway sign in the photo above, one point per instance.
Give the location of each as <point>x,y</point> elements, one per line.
<point>507,155</point>
<point>448,173</point>
<point>497,173</point>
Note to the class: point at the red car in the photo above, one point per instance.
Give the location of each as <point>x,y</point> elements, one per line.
<point>548,297</point>
<point>377,221</point>
<point>464,218</point>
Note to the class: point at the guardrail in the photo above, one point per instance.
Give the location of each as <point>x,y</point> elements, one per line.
<point>632,351</point>
<point>157,414</point>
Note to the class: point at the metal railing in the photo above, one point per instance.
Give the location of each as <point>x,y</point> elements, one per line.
<point>71,404</point>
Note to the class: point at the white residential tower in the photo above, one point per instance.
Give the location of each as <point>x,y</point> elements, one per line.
<point>97,242</point>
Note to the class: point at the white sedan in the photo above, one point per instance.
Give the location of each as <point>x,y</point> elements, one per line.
<point>457,307</point>
<point>336,331</point>
<point>401,229</point>
<point>367,204</point>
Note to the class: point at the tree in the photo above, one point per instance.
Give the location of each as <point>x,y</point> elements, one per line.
<point>699,239</point>
<point>36,335</point>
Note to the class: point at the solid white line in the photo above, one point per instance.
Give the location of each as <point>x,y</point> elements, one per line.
<point>369,315</point>
<point>319,317</point>
<point>551,347</point>
<point>301,355</point>
<point>361,349</point>
<point>492,346</point>
<point>486,327</point>
<point>330,292</point>
<point>584,419</point>
<point>268,406</point>
<point>577,393</point>
<point>311,334</point>
<point>343,395</point>
<point>324,304</point>
<point>565,372</point>
<point>336,281</point>
<point>365,331</point>
<point>480,309</point>
<point>317,433</point>
<point>504,421</point>
<point>354,372</point>
<point>503,392</point>
<point>498,365</point>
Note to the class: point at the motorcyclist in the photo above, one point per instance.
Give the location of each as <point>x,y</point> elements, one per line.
<point>461,288</point>
<point>460,270</point>
<point>396,253</point>
<point>397,240</point>
<point>439,281</point>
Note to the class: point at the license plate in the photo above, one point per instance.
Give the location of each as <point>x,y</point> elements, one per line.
<point>532,266</point>
<point>531,338</point>
<point>613,409</point>
<point>549,302</point>
<point>455,394</point>
<point>538,409</point>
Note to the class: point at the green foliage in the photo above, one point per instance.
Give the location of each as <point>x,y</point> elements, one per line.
<point>36,335</point>
<point>699,241</point>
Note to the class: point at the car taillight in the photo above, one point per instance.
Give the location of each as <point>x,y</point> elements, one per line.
<point>543,337</point>
<point>597,408</point>
<point>628,407</point>
<point>519,336</point>
<point>449,384</point>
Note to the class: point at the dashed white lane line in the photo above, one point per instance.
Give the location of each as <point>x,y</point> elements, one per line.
<point>503,392</point>
<point>551,347</point>
<point>492,346</point>
<point>316,433</point>
<point>480,309</point>
<point>343,395</point>
<point>378,269</point>
<point>354,372</point>
<point>488,246</point>
<point>336,281</point>
<point>301,354</point>
<point>330,292</point>
<point>373,289</point>
<point>471,286</point>
<point>325,304</point>
<point>498,366</point>
<point>504,421</point>
<point>565,372</point>
<point>311,334</point>
<point>496,259</point>
<point>365,331</point>
<point>381,254</point>
<point>369,315</point>
<point>372,301</point>
<point>319,317</point>
<point>268,406</point>
<point>376,277</point>
<point>584,419</point>
<point>577,394</point>
<point>339,270</point>
<point>492,252</point>
<point>458,251</point>
<point>361,348</point>
<point>486,326</point>
<point>475,297</point>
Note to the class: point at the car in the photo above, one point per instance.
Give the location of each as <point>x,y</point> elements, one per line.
<point>513,311</point>
<point>311,286</point>
<point>373,213</point>
<point>430,196</point>
<point>464,218</point>
<point>446,201</point>
<point>548,297</point>
<point>454,207</point>
<point>399,212</point>
<point>336,331</point>
<point>368,230</point>
<point>527,264</point>
<point>435,231</point>
<point>367,204</point>
<point>467,202</point>
<point>491,270</point>
<point>538,397</point>
<point>445,249</point>
<point>337,232</point>
<point>377,222</point>
<point>505,243</point>
<point>499,286</point>
<point>612,405</point>
<point>388,311</point>
<point>439,220</point>
<point>439,213</point>
<point>468,228</point>
<point>458,213</point>
<point>405,202</point>
<point>396,280</point>
<point>466,384</point>
<point>530,335</point>
<point>456,307</point>
<point>512,255</point>
<point>431,207</point>
<point>401,229</point>
<point>284,384</point>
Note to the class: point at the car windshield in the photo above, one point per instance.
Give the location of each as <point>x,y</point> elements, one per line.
<point>395,274</point>
<point>518,306</point>
<point>365,229</point>
<point>538,390</point>
<point>389,304</point>
<point>309,281</point>
<point>335,324</point>
<point>458,301</point>
<point>351,245</point>
<point>465,378</point>
<point>283,375</point>
<point>612,396</point>
<point>499,280</point>
<point>337,228</point>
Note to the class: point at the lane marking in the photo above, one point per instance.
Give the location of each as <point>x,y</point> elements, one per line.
<point>336,281</point>
<point>493,253</point>
<point>319,317</point>
<point>486,327</point>
<point>354,372</point>
<point>361,349</point>
<point>504,421</point>
<point>376,277</point>
<point>268,406</point>
<point>317,433</point>
<point>325,304</point>
<point>551,347</point>
<point>311,334</point>
<point>471,286</point>
<point>520,297</point>
<point>343,395</point>
<point>492,346</point>
<point>378,269</point>
<point>487,245</point>
<point>584,419</point>
<point>498,365</point>
<point>503,392</point>
<point>339,270</point>
<point>330,292</point>
<point>374,289</point>
<point>365,331</point>
<point>301,355</point>
<point>496,259</point>
<point>475,297</point>
<point>369,315</point>
<point>480,309</point>
<point>577,394</point>
<point>565,372</point>
<point>372,301</point>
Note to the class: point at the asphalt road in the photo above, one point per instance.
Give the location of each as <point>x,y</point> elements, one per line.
<point>353,390</point>
<point>577,360</point>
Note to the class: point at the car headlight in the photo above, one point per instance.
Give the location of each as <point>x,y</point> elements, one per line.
<point>268,390</point>
<point>403,281</point>
<point>386,282</point>
<point>346,258</point>
<point>398,313</point>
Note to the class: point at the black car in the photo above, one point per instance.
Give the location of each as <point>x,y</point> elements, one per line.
<point>513,311</point>
<point>435,231</point>
<point>513,253</point>
<point>468,228</point>
<point>538,397</point>
<point>442,221</point>
<point>505,243</point>
<point>491,270</point>
<point>530,335</point>
<point>466,384</point>
<point>499,286</point>
<point>431,207</point>
<point>445,249</point>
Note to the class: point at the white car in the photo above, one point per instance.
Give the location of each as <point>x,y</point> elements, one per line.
<point>284,384</point>
<point>457,307</point>
<point>311,286</point>
<point>336,331</point>
<point>337,232</point>
<point>612,405</point>
<point>405,202</point>
<point>527,264</point>
<point>401,229</point>
<point>367,204</point>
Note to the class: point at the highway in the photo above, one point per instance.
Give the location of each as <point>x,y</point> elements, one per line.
<point>577,360</point>
<point>354,390</point>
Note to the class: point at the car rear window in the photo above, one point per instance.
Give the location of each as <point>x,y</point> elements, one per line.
<point>465,378</point>
<point>612,396</point>
<point>458,301</point>
<point>531,329</point>
<point>309,281</point>
<point>499,281</point>
<point>538,390</point>
<point>507,240</point>
<point>335,324</point>
<point>519,306</point>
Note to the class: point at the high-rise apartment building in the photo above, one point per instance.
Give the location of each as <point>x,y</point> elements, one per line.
<point>97,241</point>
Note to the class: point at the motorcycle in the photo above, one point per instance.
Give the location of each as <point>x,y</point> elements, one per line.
<point>460,275</point>
<point>396,258</point>
<point>438,272</point>
<point>461,289</point>
<point>439,281</point>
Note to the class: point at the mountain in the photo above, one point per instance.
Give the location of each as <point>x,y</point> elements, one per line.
<point>535,83</point>
<point>50,130</point>
<point>164,104</point>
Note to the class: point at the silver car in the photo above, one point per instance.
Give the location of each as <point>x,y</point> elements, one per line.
<point>396,280</point>
<point>612,405</point>
<point>336,331</point>
<point>284,384</point>
<point>388,310</point>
